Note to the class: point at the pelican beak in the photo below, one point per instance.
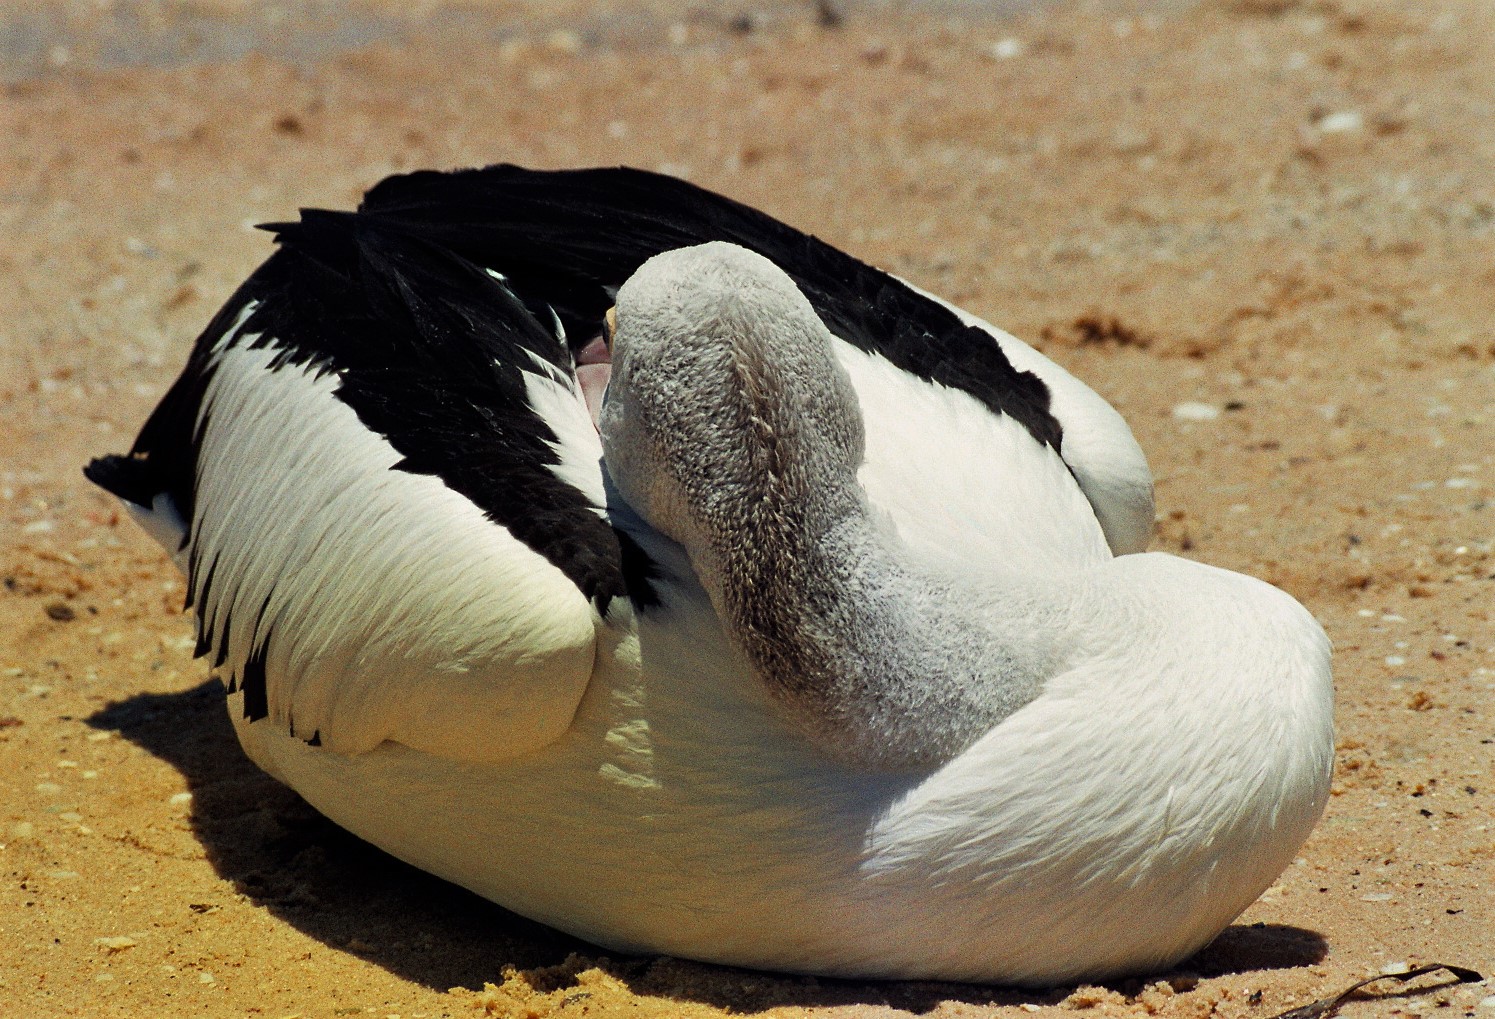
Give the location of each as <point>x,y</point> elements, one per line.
<point>609,326</point>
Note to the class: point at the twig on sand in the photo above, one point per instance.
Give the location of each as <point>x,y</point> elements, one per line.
<point>1325,1008</point>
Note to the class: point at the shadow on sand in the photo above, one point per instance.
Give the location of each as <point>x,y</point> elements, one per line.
<point>274,848</point>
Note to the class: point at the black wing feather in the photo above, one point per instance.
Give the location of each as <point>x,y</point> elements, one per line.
<point>428,348</point>
<point>574,236</point>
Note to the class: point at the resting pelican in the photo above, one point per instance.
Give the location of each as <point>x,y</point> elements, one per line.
<point>825,641</point>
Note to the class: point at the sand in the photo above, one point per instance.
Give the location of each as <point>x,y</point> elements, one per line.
<point>1262,228</point>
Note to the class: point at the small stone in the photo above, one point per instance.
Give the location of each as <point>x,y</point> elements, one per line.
<point>1008,48</point>
<point>564,40</point>
<point>206,978</point>
<point>116,943</point>
<point>178,799</point>
<point>1376,897</point>
<point>62,612</point>
<point>1341,122</point>
<point>1191,411</point>
<point>1393,968</point>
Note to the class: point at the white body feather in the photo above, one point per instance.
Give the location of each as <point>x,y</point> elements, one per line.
<point>433,627</point>
<point>1114,825</point>
<point>1109,466</point>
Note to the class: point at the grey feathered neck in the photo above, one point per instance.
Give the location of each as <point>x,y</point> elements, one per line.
<point>730,426</point>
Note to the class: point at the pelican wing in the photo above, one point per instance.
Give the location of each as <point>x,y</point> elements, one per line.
<point>386,493</point>
<point>574,236</point>
<point>559,231</point>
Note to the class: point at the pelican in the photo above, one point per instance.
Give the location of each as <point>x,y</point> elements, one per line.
<point>668,576</point>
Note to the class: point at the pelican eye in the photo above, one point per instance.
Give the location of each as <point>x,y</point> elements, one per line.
<point>609,326</point>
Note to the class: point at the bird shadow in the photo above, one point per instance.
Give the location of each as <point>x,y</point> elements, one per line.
<point>272,847</point>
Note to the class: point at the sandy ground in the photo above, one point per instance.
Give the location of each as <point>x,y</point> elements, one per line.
<point>1263,228</point>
